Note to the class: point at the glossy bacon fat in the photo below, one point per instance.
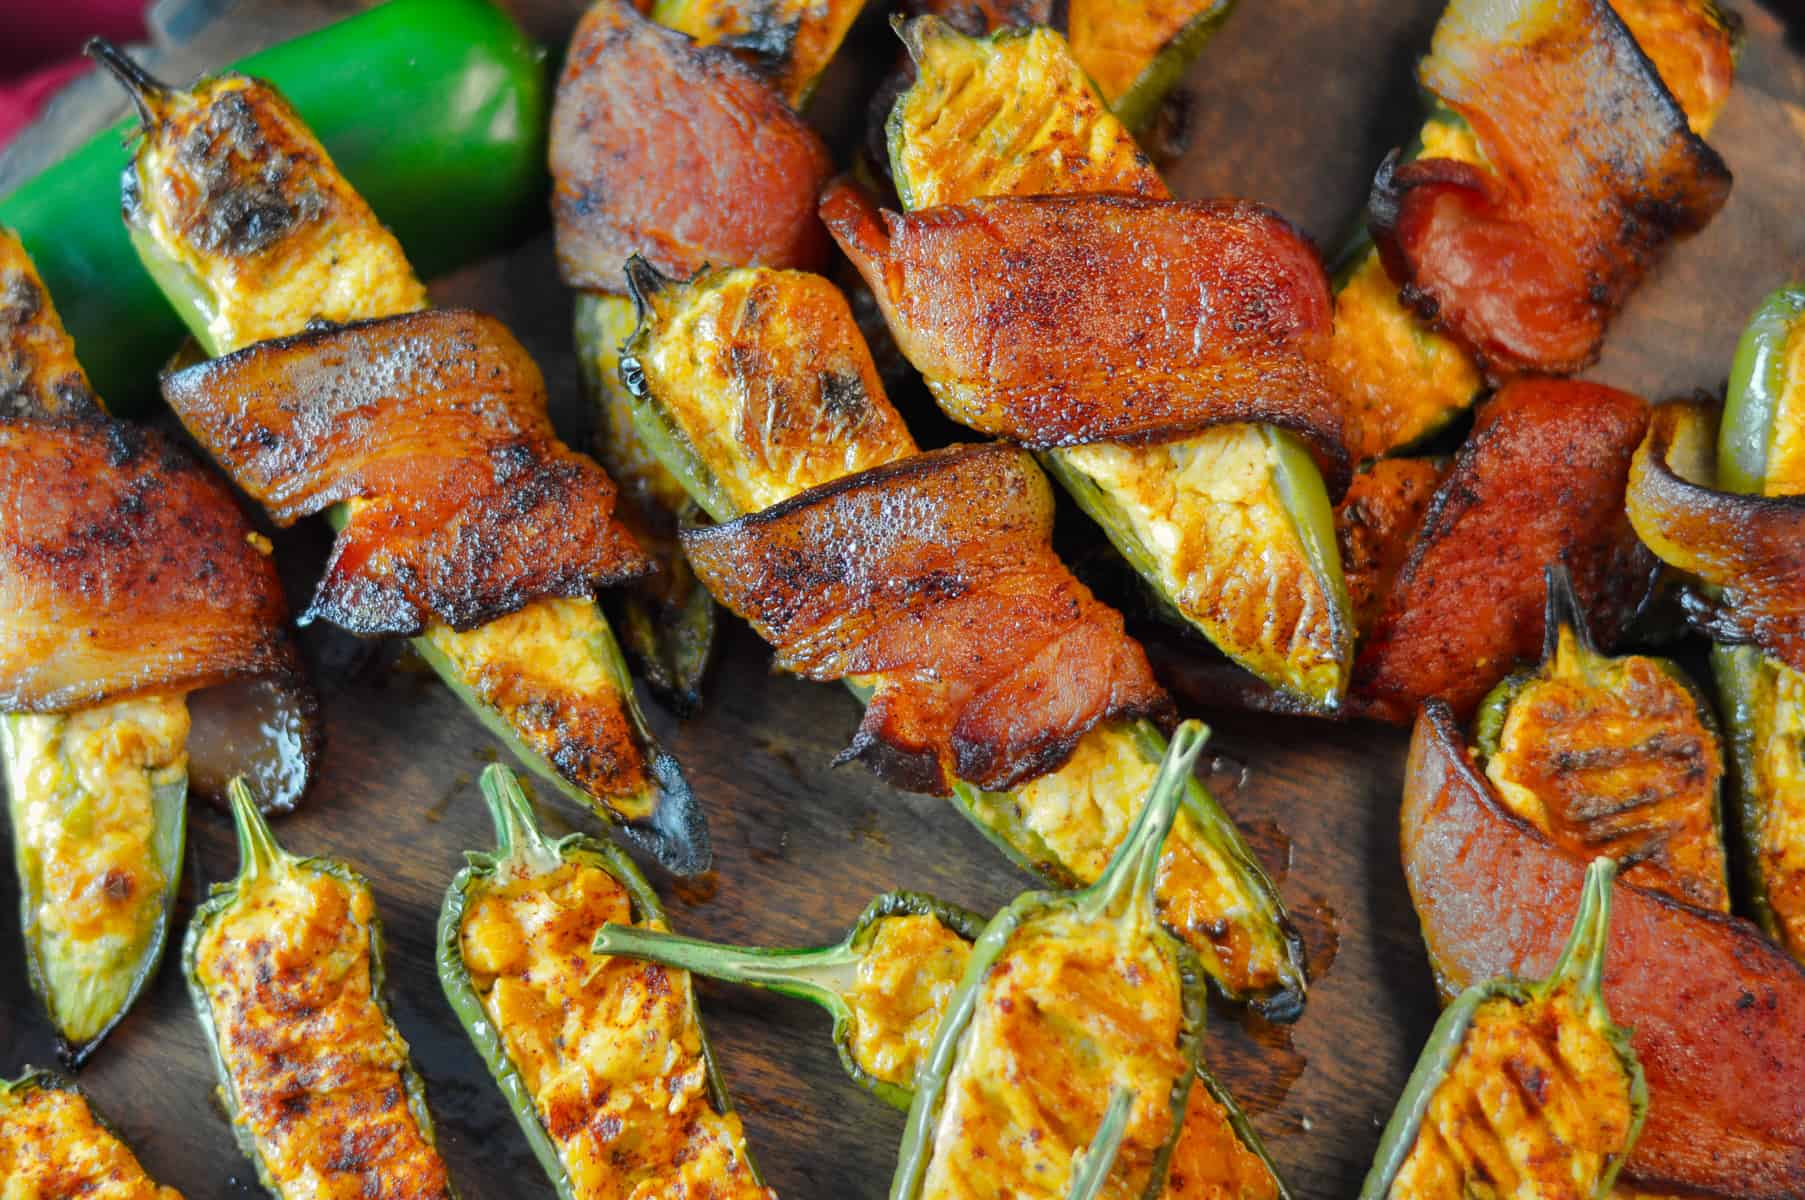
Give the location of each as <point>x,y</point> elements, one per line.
<point>1591,169</point>
<point>1716,1012</point>
<point>466,505</point>
<point>932,580</point>
<point>1062,320</point>
<point>676,152</point>
<point>1752,547</point>
<point>124,566</point>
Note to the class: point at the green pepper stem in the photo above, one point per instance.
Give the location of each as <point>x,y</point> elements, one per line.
<point>1581,963</point>
<point>1130,875</point>
<point>258,850</point>
<point>815,974</point>
<point>144,89</point>
<point>518,837</point>
<point>1094,1162</point>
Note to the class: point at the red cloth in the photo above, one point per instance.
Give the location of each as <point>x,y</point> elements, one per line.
<point>40,50</point>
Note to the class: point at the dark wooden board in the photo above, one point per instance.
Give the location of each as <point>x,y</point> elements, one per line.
<point>1294,103</point>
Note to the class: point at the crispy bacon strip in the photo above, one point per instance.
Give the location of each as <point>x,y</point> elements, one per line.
<point>1716,1012</point>
<point>934,579</point>
<point>124,568</point>
<point>467,505</point>
<point>1540,481</point>
<point>1593,169</point>
<point>1061,320</point>
<point>1752,547</point>
<point>682,154</point>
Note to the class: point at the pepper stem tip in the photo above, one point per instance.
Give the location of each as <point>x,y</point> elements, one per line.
<point>141,85</point>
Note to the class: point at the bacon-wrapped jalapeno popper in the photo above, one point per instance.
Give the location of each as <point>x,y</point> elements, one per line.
<point>603,1062</point>
<point>1514,131</point>
<point>888,983</point>
<point>755,387</point>
<point>464,522</point>
<point>1524,1089</point>
<point>285,968</point>
<point>617,189</point>
<point>1716,1012</point>
<point>1180,404</point>
<point>1743,542</point>
<point>53,1144</point>
<point>129,580</point>
<point>1069,1000</point>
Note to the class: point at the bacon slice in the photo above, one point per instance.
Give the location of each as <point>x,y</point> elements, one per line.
<point>1593,170</point>
<point>682,154</point>
<point>1540,481</point>
<point>1061,320</point>
<point>124,568</point>
<point>1752,547</point>
<point>467,505</point>
<point>934,579</point>
<point>1716,1012</point>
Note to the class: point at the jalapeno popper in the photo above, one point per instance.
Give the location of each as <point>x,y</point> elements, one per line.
<point>284,964</point>
<point>1716,1011</point>
<point>755,387</point>
<point>464,522</point>
<point>1230,525</point>
<point>619,192</point>
<point>603,1061</point>
<point>1615,756</point>
<point>1525,1089</point>
<point>1069,999</point>
<point>1516,158</point>
<point>888,983</point>
<point>53,1144</point>
<point>128,581</point>
<point>1743,543</point>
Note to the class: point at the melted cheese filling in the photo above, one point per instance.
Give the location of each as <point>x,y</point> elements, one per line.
<point>1069,1013</point>
<point>1536,1106</point>
<point>1779,721</point>
<point>1211,512</point>
<point>51,1147</point>
<point>548,669</point>
<point>899,993</point>
<point>1616,759</point>
<point>317,1070</point>
<point>85,834</point>
<point>1083,811</point>
<point>609,1048</point>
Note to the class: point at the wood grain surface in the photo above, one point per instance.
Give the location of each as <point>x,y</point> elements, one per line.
<point>1293,104</point>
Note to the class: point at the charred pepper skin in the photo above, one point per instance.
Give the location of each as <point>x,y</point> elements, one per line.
<point>418,100</point>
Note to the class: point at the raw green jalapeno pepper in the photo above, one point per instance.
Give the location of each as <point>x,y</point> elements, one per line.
<point>434,108</point>
<point>1616,756</point>
<point>1068,998</point>
<point>736,452</point>
<point>580,1046</point>
<point>285,968</point>
<point>1576,1098</point>
<point>1761,451</point>
<point>887,984</point>
<point>547,678</point>
<point>1216,524</point>
<point>53,1143</point>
